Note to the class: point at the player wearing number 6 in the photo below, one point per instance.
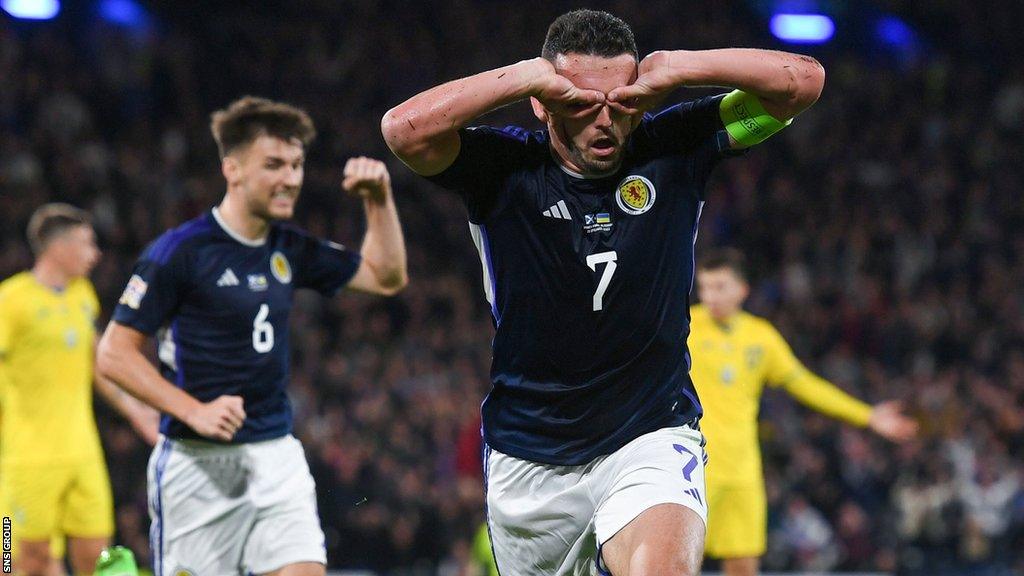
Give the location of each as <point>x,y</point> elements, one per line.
<point>230,491</point>
<point>585,232</point>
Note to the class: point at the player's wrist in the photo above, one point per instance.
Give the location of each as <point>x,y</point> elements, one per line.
<point>377,200</point>
<point>535,71</point>
<point>189,413</point>
<point>680,67</point>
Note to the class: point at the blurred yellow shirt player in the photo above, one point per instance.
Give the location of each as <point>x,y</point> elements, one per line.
<point>53,479</point>
<point>734,355</point>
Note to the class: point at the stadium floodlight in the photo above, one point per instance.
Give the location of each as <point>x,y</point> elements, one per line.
<point>802,28</point>
<point>124,12</point>
<point>31,9</point>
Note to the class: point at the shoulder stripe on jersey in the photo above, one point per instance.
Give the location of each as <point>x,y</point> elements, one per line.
<point>164,247</point>
<point>483,247</point>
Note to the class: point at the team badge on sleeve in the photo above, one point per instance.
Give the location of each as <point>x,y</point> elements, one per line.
<point>280,268</point>
<point>134,292</point>
<point>635,195</point>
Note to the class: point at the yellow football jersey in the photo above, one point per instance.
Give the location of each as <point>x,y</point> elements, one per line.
<point>46,371</point>
<point>731,364</point>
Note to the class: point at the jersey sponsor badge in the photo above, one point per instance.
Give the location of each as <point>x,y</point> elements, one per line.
<point>600,222</point>
<point>753,355</point>
<point>258,282</point>
<point>70,337</point>
<point>280,268</point>
<point>134,292</point>
<point>635,195</point>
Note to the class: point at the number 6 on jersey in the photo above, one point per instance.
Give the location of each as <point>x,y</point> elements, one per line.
<point>262,331</point>
<point>593,260</point>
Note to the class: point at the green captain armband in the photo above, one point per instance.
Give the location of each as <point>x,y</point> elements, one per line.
<point>746,120</point>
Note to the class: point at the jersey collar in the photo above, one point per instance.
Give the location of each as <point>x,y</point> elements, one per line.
<point>235,235</point>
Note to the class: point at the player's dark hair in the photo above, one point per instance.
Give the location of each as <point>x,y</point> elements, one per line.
<point>52,220</point>
<point>249,117</point>
<point>724,259</point>
<point>590,32</point>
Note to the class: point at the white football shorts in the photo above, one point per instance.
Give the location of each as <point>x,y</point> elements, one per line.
<point>552,520</point>
<point>231,509</point>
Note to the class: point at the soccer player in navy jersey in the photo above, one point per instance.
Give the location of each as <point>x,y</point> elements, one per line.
<point>230,491</point>
<point>594,459</point>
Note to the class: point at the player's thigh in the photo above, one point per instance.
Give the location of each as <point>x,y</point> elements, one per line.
<point>286,533</point>
<point>666,539</point>
<point>540,517</point>
<point>737,521</point>
<point>740,566</point>
<point>300,569</point>
<point>653,511</point>
<point>83,553</point>
<point>199,509</point>
<point>89,504</point>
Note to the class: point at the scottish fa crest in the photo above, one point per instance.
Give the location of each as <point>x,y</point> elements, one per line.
<point>280,268</point>
<point>635,195</point>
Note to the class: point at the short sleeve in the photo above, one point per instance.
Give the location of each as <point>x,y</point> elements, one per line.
<point>782,365</point>
<point>153,292</point>
<point>322,265</point>
<point>486,156</point>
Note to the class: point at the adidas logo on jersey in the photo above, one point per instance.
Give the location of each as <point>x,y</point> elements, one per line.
<point>228,278</point>
<point>558,211</point>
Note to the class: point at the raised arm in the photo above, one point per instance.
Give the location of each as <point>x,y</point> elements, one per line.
<point>383,266</point>
<point>786,84</point>
<point>424,130</point>
<point>120,360</point>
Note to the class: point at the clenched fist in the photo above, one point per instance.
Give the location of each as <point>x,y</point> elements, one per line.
<point>367,178</point>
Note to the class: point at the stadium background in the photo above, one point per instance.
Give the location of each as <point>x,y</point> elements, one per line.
<point>885,229</point>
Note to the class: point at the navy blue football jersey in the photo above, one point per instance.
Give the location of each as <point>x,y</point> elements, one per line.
<point>588,281</point>
<point>219,304</point>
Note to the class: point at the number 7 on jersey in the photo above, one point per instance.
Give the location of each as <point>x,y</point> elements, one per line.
<point>607,258</point>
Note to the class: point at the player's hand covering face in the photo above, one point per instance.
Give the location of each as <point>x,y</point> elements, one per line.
<point>587,133</point>
<point>269,174</point>
<point>654,83</point>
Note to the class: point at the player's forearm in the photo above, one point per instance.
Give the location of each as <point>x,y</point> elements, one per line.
<point>827,398</point>
<point>384,245</point>
<point>132,372</point>
<point>786,83</point>
<point>423,130</point>
<point>114,396</point>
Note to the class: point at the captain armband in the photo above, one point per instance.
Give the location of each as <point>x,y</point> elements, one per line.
<point>746,120</point>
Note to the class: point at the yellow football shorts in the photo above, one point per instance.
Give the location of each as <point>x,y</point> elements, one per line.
<point>47,501</point>
<point>737,521</point>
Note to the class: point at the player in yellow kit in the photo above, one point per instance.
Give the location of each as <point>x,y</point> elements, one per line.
<point>53,480</point>
<point>734,355</point>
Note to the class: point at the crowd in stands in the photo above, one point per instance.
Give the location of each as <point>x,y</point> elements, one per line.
<point>884,228</point>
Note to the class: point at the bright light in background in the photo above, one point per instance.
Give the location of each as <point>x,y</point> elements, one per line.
<point>31,9</point>
<point>802,28</point>
<point>123,12</point>
<point>895,32</point>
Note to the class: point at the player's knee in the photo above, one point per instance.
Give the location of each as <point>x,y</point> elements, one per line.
<point>34,560</point>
